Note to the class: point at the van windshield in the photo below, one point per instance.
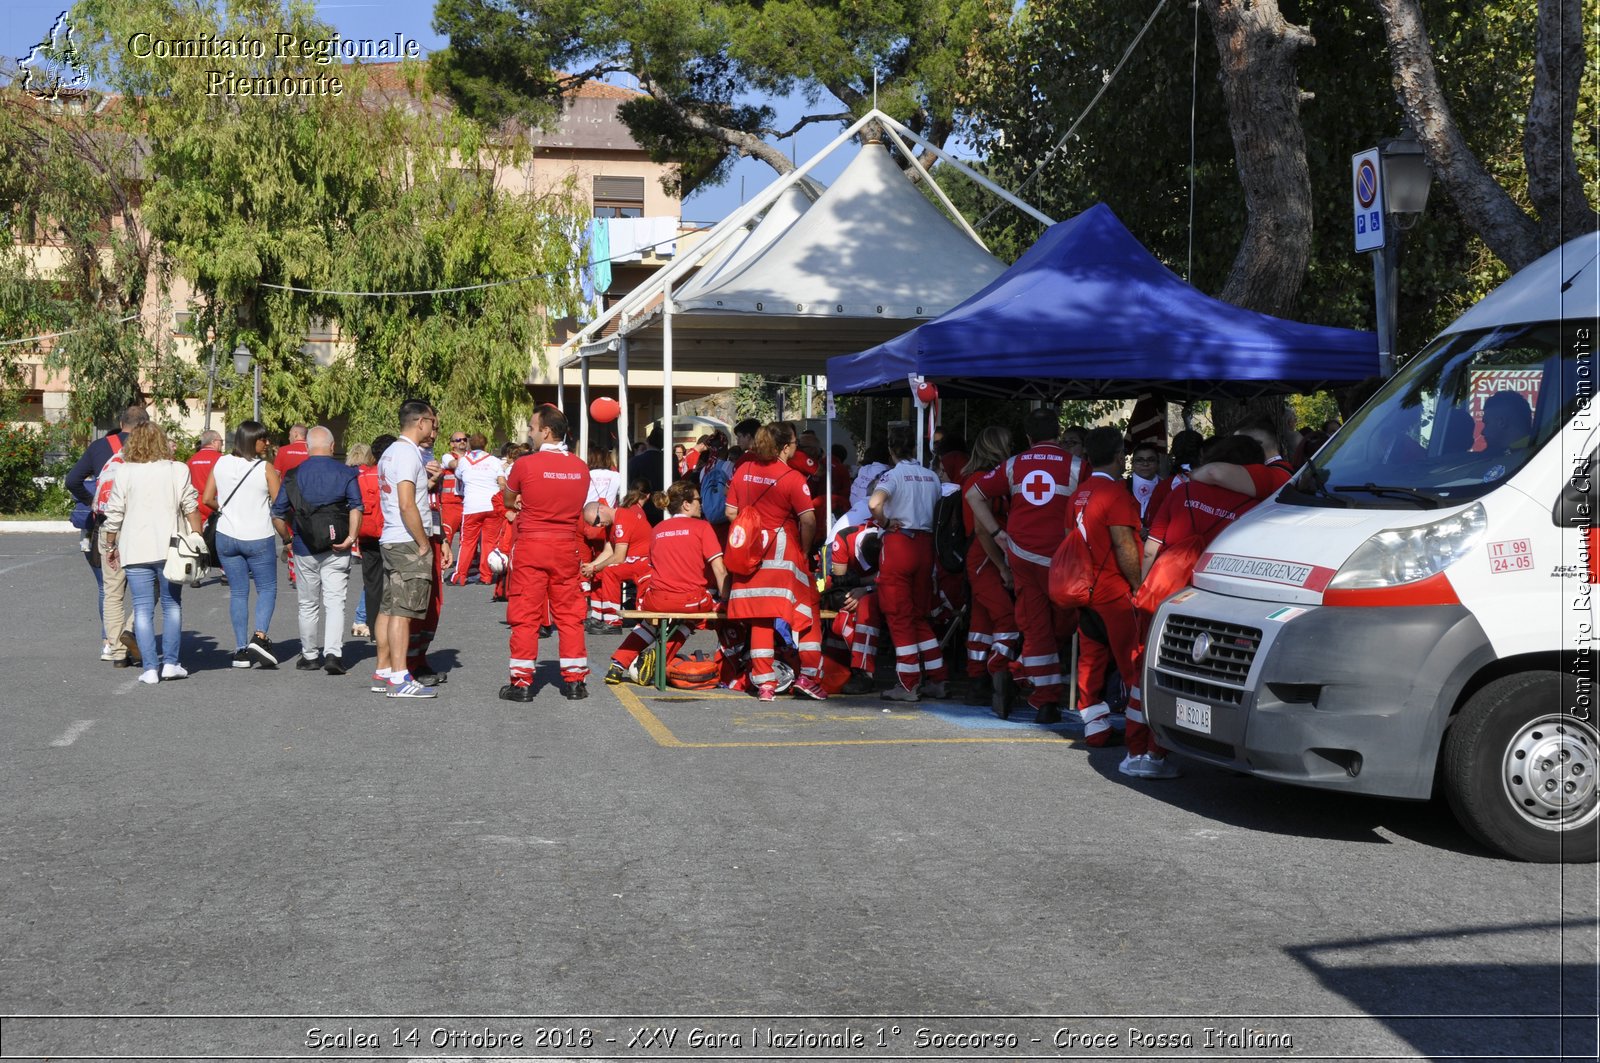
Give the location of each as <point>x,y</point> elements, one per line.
<point>1458,420</point>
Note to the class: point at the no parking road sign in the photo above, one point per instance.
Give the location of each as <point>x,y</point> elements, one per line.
<point>1366,188</point>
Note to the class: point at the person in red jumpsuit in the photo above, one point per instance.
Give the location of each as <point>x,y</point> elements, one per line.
<point>1039,482</point>
<point>684,552</point>
<point>902,503</point>
<point>289,456</point>
<point>546,489</point>
<point>782,588</point>
<point>626,556</point>
<point>450,488</point>
<point>853,563</point>
<point>993,641</point>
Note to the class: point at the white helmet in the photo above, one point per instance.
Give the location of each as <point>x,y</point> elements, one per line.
<point>499,563</point>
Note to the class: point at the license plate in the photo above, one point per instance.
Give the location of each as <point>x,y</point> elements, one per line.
<point>1194,716</point>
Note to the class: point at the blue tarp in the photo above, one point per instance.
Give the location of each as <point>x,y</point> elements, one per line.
<point>1088,311</point>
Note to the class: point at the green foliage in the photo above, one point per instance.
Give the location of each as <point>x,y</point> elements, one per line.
<point>21,459</point>
<point>701,59</point>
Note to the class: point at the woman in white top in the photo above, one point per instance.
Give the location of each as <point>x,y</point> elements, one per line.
<point>242,487</point>
<point>605,482</point>
<point>151,501</point>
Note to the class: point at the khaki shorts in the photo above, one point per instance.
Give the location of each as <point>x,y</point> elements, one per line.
<point>407,581</point>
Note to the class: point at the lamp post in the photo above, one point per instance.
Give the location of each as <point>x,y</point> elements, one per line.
<point>243,361</point>
<point>1406,182</point>
<point>211,383</point>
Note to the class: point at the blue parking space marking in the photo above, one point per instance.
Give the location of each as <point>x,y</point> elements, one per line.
<point>979,718</point>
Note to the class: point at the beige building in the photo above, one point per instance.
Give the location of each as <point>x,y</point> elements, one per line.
<point>589,145</point>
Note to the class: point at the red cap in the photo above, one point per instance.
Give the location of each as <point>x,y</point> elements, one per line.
<point>803,462</point>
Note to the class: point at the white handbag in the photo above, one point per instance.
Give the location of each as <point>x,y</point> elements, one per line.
<point>186,554</point>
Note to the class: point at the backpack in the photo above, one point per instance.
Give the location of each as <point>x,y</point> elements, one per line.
<point>371,505</point>
<point>748,541</point>
<point>950,540</point>
<point>714,490</point>
<point>85,517</point>
<point>1073,572</point>
<point>694,673</point>
<point>319,528</point>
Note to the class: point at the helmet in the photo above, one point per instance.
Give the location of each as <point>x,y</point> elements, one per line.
<point>498,562</point>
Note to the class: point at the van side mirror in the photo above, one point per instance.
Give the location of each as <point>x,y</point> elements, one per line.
<point>1579,503</point>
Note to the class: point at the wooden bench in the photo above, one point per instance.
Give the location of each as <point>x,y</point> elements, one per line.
<point>662,620</point>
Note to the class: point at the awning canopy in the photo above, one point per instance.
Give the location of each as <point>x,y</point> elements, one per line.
<point>1087,311</point>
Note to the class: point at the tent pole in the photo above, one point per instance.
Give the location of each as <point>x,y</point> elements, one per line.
<point>583,400</point>
<point>669,474</point>
<point>827,465</point>
<point>623,453</point>
<point>937,191</point>
<point>961,167</point>
<point>561,387</point>
<point>922,413</point>
<point>809,380</point>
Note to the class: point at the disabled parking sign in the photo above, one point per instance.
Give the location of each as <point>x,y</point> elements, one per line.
<point>1366,189</point>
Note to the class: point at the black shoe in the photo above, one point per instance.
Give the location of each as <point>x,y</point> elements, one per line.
<point>429,678</point>
<point>260,649</point>
<point>616,674</point>
<point>574,691</point>
<point>594,627</point>
<point>859,683</point>
<point>512,692</point>
<point>980,691</point>
<point>333,665</point>
<point>126,662</point>
<point>499,598</point>
<point>1046,715</point>
<point>308,664</point>
<point>242,659</point>
<point>546,630</point>
<point>1004,693</point>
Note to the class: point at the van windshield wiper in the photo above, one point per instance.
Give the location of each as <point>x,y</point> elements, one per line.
<point>1422,498</point>
<point>1316,488</point>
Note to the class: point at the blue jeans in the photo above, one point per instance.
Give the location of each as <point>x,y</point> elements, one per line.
<point>144,583</point>
<point>244,560</point>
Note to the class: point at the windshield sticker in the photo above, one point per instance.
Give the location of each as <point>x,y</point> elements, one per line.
<point>1511,555</point>
<point>1267,570</point>
<point>1286,614</point>
<point>1494,473</point>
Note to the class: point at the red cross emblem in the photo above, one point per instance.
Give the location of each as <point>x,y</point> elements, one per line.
<point>1038,488</point>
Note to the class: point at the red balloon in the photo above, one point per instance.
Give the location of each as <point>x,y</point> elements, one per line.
<point>605,409</point>
<point>926,392</point>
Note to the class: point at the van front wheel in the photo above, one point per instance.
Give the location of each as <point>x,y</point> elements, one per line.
<point>1522,769</point>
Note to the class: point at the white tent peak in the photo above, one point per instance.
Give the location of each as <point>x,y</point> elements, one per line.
<point>736,252</point>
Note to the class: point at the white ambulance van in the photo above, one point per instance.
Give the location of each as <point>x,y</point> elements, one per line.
<point>1411,612</point>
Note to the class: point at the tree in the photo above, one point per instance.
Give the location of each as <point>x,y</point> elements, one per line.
<point>277,203</point>
<point>697,62</point>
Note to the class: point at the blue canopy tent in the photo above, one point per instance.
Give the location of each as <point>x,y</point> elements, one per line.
<point>1088,312</point>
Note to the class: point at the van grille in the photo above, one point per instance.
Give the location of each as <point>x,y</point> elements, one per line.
<point>1227,661</point>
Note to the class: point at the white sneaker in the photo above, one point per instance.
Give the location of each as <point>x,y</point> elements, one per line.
<point>150,676</point>
<point>106,654</point>
<point>1159,768</point>
<point>174,671</point>
<point>1133,766</point>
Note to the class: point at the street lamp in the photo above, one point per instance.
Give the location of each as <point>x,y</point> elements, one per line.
<point>1406,181</point>
<point>242,362</point>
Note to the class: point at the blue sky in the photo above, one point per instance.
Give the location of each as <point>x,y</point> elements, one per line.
<point>24,22</point>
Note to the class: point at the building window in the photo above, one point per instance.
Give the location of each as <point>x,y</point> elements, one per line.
<point>619,197</point>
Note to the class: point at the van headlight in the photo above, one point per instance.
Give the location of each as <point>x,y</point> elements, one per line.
<point>1405,555</point>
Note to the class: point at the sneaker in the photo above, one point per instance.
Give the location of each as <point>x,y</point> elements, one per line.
<point>1158,768</point>
<point>514,692</point>
<point>767,692</point>
<point>260,649</point>
<point>574,691</point>
<point>333,665</point>
<point>1047,715</point>
<point>808,687</point>
<point>309,664</point>
<point>242,659</point>
<point>150,676</point>
<point>107,653</point>
<point>937,691</point>
<point>1133,766</point>
<point>360,631</point>
<point>174,671</point>
<point>380,684</point>
<point>858,683</point>
<point>900,693</point>
<point>616,674</point>
<point>410,688</point>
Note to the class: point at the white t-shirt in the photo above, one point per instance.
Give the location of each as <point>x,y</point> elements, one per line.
<point>479,475</point>
<point>913,492</point>
<point>861,487</point>
<point>248,513</point>
<point>606,485</point>
<point>403,461</point>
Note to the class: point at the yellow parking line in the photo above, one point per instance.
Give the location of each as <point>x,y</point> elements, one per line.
<point>665,738</point>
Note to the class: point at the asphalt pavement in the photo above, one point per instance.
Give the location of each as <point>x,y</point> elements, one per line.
<point>309,870</point>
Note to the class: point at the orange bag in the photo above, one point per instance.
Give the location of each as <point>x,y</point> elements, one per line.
<point>694,673</point>
<point>748,541</point>
<point>1073,572</point>
<point>1170,573</point>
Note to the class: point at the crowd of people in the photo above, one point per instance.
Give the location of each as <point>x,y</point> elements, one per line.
<point>997,557</point>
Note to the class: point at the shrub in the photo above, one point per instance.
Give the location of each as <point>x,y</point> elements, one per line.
<point>21,459</point>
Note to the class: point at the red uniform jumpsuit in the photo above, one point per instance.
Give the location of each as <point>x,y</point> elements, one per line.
<point>680,558</point>
<point>289,456</point>
<point>906,573</point>
<point>479,531</point>
<point>200,466</point>
<point>544,561</point>
<point>993,640</point>
<point>782,588</point>
<point>859,629</point>
<point>450,507</point>
<point>1039,483</point>
<point>1103,502</point>
<point>632,527</point>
